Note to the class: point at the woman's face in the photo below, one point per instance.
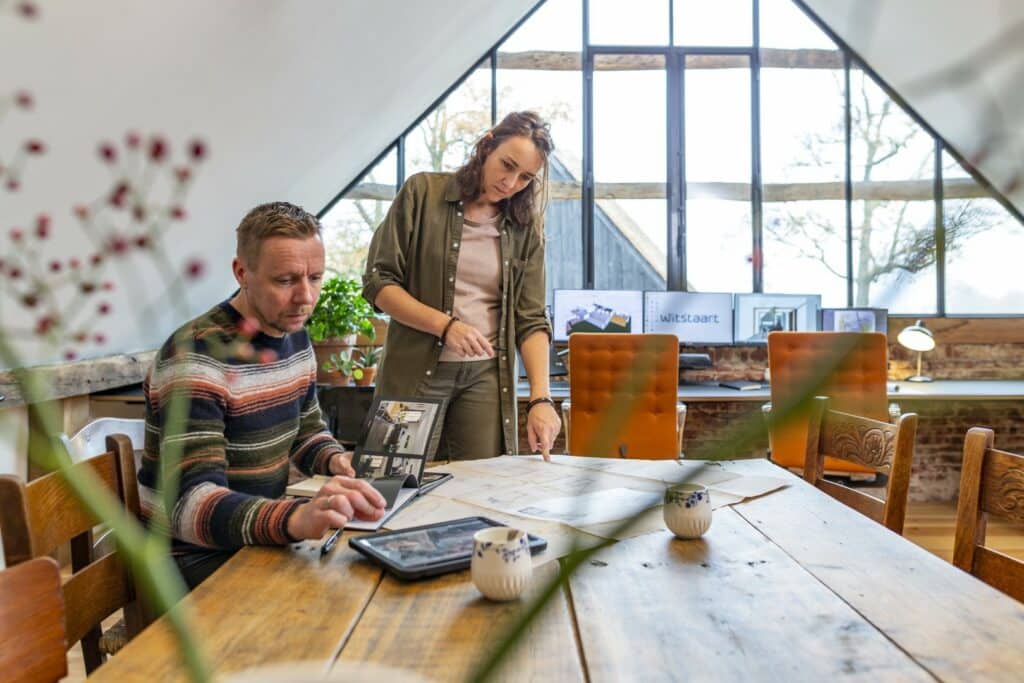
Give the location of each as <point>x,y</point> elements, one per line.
<point>509,168</point>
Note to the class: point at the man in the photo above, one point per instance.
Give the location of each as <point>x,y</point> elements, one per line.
<point>248,371</point>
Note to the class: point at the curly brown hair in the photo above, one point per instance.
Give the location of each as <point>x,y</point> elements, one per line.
<point>526,207</point>
<point>274,219</point>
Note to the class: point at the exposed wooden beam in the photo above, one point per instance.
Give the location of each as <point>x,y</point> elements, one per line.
<point>880,190</point>
<point>771,58</point>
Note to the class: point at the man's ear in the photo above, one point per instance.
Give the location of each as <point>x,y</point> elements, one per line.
<point>239,269</point>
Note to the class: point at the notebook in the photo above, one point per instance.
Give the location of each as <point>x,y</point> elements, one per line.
<point>391,455</point>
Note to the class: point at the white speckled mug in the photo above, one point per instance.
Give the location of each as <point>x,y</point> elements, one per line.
<point>501,566</point>
<point>688,510</point>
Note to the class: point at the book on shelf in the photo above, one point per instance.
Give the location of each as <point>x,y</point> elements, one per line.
<point>391,455</point>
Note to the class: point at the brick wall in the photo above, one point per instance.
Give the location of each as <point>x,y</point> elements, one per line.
<point>941,428</point>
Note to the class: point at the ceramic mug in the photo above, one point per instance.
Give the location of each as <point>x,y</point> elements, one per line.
<point>687,510</point>
<point>501,566</point>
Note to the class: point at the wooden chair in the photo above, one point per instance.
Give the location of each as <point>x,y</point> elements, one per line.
<point>37,517</point>
<point>849,367</point>
<point>32,623</point>
<point>991,482</point>
<point>879,446</point>
<point>602,377</point>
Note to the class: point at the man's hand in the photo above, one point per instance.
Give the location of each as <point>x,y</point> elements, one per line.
<point>466,340</point>
<point>341,464</point>
<point>542,426</point>
<point>337,502</point>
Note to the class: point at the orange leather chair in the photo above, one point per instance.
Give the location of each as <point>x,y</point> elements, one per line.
<point>635,372</point>
<point>850,368</point>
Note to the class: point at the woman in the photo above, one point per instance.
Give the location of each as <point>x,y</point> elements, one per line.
<point>458,264</point>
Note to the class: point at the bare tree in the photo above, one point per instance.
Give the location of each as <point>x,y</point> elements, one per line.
<point>890,238</point>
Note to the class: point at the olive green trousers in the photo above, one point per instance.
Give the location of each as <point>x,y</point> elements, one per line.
<point>471,422</point>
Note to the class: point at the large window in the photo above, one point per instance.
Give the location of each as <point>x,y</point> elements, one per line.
<point>983,245</point>
<point>802,156</point>
<point>716,115</point>
<point>893,168</point>
<point>695,152</point>
<point>629,166</point>
<point>350,223</point>
<point>443,139</point>
<point>538,70</point>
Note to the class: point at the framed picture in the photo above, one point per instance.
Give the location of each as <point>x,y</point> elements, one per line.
<point>854,319</point>
<point>396,437</point>
<point>694,317</point>
<point>758,314</point>
<point>597,310</point>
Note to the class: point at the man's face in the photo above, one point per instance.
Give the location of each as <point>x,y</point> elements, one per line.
<point>281,288</point>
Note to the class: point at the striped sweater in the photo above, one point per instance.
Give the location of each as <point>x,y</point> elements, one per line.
<point>245,422</point>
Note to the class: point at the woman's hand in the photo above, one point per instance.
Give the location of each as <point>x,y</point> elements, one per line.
<point>337,502</point>
<point>466,340</point>
<point>542,426</point>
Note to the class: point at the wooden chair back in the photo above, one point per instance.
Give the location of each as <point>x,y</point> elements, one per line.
<point>873,444</point>
<point>991,482</point>
<point>849,367</point>
<point>602,377</point>
<point>37,517</point>
<point>32,623</point>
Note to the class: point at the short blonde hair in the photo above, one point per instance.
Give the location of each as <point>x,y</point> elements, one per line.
<point>274,219</point>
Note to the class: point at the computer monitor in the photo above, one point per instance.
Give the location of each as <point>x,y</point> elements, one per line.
<point>854,319</point>
<point>597,310</point>
<point>758,314</point>
<point>694,317</point>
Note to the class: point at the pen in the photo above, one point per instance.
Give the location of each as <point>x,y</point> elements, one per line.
<point>329,543</point>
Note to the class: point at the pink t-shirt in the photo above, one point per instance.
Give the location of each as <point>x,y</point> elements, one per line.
<point>478,284</point>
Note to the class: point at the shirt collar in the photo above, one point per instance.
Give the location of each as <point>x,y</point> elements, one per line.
<point>452,192</point>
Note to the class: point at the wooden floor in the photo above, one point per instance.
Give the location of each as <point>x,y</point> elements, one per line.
<point>933,525</point>
<point>930,525</point>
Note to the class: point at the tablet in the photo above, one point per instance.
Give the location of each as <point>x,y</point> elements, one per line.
<point>429,550</point>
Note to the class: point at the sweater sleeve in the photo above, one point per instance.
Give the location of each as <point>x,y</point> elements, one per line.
<point>314,444</point>
<point>187,398</point>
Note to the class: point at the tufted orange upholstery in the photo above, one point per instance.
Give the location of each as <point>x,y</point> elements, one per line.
<point>602,371</point>
<point>855,369</point>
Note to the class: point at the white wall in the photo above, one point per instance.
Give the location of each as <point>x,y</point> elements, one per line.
<point>293,98</point>
<point>935,54</point>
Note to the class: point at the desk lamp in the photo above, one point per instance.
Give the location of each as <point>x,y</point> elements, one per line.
<point>918,338</point>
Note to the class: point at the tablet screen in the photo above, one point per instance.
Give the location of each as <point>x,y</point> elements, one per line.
<point>446,546</point>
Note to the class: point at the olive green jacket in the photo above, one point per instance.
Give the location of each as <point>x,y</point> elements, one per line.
<point>417,248</point>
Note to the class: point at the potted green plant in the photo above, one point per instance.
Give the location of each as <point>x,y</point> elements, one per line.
<point>340,314</point>
<point>341,368</point>
<point>368,361</point>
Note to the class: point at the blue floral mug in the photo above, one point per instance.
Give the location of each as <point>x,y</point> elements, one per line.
<point>501,566</point>
<point>687,510</point>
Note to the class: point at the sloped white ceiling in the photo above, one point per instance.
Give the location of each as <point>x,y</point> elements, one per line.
<point>958,63</point>
<point>293,99</point>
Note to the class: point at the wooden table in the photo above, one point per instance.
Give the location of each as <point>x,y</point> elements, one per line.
<point>790,586</point>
